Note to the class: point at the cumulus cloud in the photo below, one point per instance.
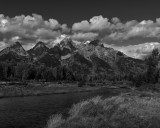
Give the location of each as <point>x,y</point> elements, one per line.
<point>116,30</point>
<point>84,36</point>
<point>30,28</point>
<point>97,23</point>
<point>2,45</point>
<point>139,51</point>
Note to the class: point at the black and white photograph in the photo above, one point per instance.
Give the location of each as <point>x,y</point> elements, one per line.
<point>79,64</point>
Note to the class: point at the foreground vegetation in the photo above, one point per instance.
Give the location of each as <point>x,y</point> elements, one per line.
<point>132,110</point>
<point>18,89</point>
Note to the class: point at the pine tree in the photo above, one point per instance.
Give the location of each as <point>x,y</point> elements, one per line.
<point>2,69</point>
<point>152,66</point>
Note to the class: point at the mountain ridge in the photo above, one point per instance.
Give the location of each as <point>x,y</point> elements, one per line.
<point>38,49</point>
<point>90,57</point>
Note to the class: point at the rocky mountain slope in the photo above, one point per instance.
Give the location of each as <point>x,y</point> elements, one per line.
<point>14,52</point>
<point>38,49</point>
<point>85,58</point>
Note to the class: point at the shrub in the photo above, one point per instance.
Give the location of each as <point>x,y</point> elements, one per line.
<point>92,84</point>
<point>54,121</point>
<point>81,83</point>
<point>125,111</point>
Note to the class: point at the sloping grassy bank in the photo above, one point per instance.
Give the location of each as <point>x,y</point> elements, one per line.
<point>132,110</point>
<point>19,89</point>
<point>41,89</point>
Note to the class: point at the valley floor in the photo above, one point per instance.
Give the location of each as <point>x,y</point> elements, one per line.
<point>20,89</point>
<point>17,89</point>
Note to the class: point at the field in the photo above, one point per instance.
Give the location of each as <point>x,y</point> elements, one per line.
<point>18,89</point>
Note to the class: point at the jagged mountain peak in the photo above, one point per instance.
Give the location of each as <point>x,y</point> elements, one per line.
<point>90,57</point>
<point>14,51</point>
<point>95,42</point>
<point>59,39</point>
<point>87,42</point>
<point>15,44</point>
<point>38,49</point>
<point>64,42</point>
<point>40,44</point>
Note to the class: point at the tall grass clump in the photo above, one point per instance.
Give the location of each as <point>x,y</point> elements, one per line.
<point>140,110</point>
<point>55,121</point>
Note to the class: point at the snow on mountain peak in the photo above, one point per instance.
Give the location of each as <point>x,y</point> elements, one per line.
<point>59,39</point>
<point>87,42</point>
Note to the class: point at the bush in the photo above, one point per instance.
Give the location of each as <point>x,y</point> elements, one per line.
<point>55,121</point>
<point>125,111</point>
<point>81,83</point>
<point>92,84</point>
<point>139,79</point>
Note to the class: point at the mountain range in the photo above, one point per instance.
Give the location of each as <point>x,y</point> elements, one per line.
<point>90,57</point>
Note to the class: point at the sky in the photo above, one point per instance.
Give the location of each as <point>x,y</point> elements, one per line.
<point>131,26</point>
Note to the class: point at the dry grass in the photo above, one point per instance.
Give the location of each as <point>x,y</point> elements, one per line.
<point>55,121</point>
<point>36,89</point>
<point>132,110</point>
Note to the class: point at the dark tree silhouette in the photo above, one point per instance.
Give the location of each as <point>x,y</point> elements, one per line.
<point>152,66</point>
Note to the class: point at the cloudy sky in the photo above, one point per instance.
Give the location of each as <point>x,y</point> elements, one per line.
<point>128,25</point>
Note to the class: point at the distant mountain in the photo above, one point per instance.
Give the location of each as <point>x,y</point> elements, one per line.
<point>54,56</point>
<point>94,42</point>
<point>40,53</point>
<point>77,64</point>
<point>85,58</point>
<point>93,57</point>
<point>14,52</point>
<point>38,49</point>
<point>63,49</point>
<point>48,60</point>
<point>55,51</point>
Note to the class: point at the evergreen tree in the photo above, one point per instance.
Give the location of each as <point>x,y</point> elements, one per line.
<point>19,70</point>
<point>2,69</point>
<point>152,67</point>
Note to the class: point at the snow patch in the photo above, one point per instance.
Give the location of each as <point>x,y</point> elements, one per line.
<point>59,39</point>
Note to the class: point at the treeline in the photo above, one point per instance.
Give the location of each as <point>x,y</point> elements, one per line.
<point>23,71</point>
<point>152,73</point>
<point>11,70</point>
<point>149,75</point>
